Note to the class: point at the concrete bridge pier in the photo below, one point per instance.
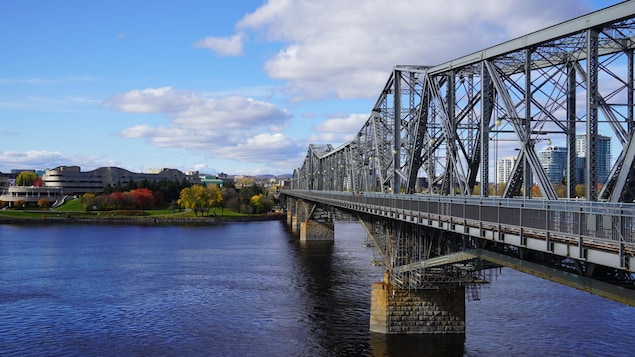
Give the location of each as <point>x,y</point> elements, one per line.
<point>292,214</point>
<point>313,230</point>
<point>400,311</point>
<point>312,221</point>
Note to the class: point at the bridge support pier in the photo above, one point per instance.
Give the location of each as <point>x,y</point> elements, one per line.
<point>400,311</point>
<point>317,231</point>
<point>313,222</point>
<point>294,213</point>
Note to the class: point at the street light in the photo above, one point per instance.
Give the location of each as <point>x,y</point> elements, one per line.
<point>497,124</point>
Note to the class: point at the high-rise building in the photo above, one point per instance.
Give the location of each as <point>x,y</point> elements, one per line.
<point>603,155</point>
<point>553,160</point>
<point>504,168</point>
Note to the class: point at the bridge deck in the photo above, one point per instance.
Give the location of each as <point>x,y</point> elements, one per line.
<point>600,233</point>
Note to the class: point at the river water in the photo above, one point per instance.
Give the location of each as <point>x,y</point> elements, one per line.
<point>252,289</point>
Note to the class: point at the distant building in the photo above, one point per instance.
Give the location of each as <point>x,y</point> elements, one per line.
<point>504,168</point>
<point>31,194</point>
<point>70,180</point>
<point>211,180</point>
<point>553,160</point>
<point>4,180</point>
<point>603,155</point>
<point>73,181</point>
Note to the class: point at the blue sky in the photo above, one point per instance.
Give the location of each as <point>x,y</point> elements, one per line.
<point>240,87</point>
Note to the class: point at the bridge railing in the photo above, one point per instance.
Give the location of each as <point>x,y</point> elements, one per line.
<point>599,221</point>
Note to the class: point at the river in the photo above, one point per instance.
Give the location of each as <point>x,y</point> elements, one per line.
<point>252,289</point>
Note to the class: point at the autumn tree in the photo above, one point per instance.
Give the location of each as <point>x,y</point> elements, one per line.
<point>245,182</point>
<point>26,178</point>
<point>143,198</point>
<point>215,196</point>
<point>580,191</point>
<point>561,190</point>
<point>200,199</point>
<point>87,201</point>
<point>43,202</point>
<point>260,203</point>
<point>244,197</point>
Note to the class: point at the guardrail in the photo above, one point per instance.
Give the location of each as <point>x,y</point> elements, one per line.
<point>597,221</point>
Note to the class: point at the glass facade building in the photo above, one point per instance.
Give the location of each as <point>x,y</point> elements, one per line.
<point>603,152</point>
<point>553,160</point>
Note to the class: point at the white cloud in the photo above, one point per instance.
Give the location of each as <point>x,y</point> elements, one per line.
<point>39,159</point>
<point>223,46</point>
<point>137,131</point>
<point>264,148</point>
<point>234,127</point>
<point>30,159</point>
<point>338,129</point>
<point>152,100</point>
<point>347,48</point>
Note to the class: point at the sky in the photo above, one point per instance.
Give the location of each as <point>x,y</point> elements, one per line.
<point>239,87</point>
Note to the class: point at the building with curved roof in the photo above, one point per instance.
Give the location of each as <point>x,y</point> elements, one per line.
<point>73,181</point>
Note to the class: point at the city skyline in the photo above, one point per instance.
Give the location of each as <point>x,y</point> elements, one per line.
<point>243,88</point>
<point>553,159</point>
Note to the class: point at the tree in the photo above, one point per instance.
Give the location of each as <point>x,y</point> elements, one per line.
<point>260,203</point>
<point>200,199</point>
<point>215,196</point>
<point>245,182</point>
<point>144,199</point>
<point>561,190</point>
<point>230,198</point>
<point>26,178</point>
<point>87,201</point>
<point>580,191</point>
<point>43,202</point>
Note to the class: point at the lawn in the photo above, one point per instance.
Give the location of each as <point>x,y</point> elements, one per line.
<point>74,209</point>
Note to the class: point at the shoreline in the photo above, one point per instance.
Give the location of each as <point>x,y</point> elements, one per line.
<point>141,220</point>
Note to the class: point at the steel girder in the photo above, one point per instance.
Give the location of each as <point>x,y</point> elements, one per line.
<point>442,129</point>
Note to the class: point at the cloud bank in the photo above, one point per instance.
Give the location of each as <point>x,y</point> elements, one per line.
<point>346,48</point>
<point>234,127</point>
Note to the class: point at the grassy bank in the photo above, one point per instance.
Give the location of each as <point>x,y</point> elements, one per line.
<point>72,211</point>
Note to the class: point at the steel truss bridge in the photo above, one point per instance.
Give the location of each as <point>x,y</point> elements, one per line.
<point>419,173</point>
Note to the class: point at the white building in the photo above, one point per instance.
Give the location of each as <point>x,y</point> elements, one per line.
<point>504,168</point>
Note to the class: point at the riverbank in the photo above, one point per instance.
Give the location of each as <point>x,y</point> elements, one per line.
<point>138,220</point>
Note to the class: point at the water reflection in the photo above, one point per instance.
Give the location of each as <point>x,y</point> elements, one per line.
<point>256,290</point>
<point>416,345</point>
<point>337,277</point>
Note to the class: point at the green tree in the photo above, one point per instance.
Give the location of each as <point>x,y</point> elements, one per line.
<point>26,178</point>
<point>230,198</point>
